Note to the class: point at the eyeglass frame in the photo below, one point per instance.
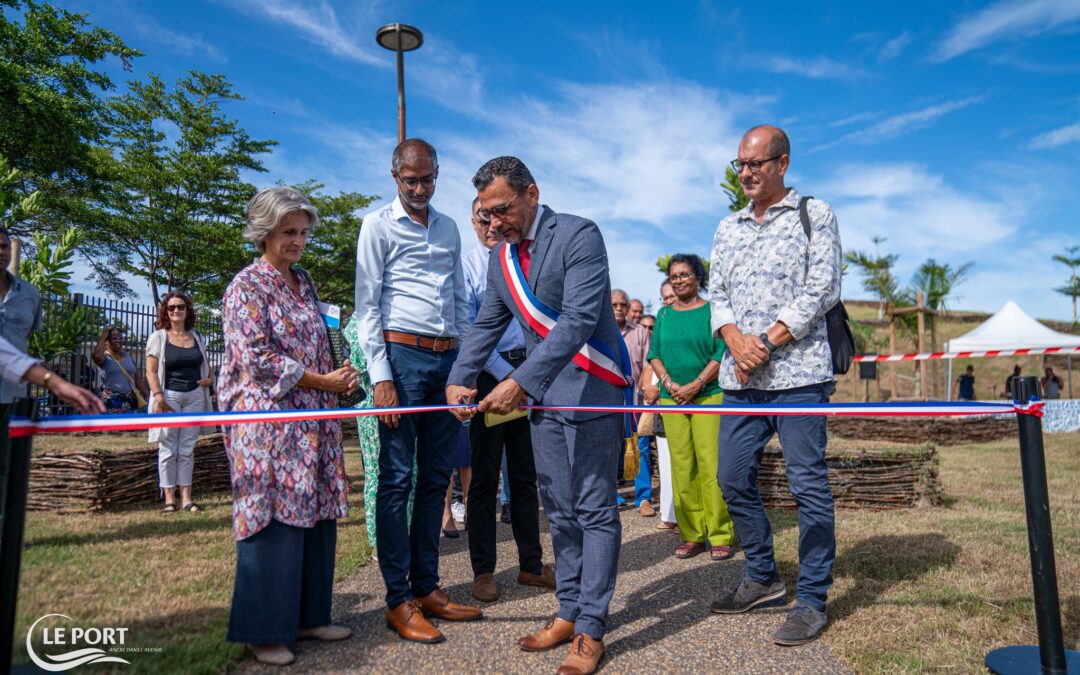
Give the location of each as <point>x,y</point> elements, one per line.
<point>499,211</point>
<point>681,276</point>
<point>737,164</point>
<point>172,308</point>
<point>428,181</point>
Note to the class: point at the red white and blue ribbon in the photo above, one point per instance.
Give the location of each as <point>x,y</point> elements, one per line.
<point>594,357</point>
<point>19,427</point>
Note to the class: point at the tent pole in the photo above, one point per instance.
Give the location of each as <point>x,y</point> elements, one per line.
<point>948,377</point>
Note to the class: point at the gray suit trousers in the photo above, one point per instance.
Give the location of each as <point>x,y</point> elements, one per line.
<point>576,464</point>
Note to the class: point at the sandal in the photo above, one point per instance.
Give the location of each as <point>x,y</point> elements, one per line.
<point>722,552</point>
<point>192,507</point>
<point>689,549</point>
<point>169,508</point>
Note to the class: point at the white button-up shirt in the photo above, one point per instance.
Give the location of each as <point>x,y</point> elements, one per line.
<point>761,273</point>
<point>475,264</point>
<point>409,279</point>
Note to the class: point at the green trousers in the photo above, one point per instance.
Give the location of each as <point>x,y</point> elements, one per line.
<point>700,510</point>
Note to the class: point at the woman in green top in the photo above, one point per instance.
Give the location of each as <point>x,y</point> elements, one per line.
<point>686,358</point>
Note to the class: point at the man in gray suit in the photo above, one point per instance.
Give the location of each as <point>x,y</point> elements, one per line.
<point>565,264</point>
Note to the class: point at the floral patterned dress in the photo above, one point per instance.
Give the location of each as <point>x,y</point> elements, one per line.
<point>368,428</point>
<point>292,472</point>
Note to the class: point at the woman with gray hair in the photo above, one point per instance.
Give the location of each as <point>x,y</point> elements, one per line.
<point>288,478</point>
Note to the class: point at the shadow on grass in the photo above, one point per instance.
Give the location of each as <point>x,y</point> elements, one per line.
<point>153,527</point>
<point>880,562</point>
<point>1070,619</point>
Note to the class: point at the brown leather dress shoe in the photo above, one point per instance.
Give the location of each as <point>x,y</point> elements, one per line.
<point>438,603</point>
<point>546,578</point>
<point>409,623</point>
<point>556,632</point>
<point>484,588</point>
<point>646,509</point>
<point>585,655</point>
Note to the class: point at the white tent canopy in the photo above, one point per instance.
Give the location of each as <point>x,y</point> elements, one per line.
<point>1010,328</point>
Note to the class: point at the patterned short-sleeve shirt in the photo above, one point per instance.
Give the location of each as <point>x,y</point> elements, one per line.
<point>761,273</point>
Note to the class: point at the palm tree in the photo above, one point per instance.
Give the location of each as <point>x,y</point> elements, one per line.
<point>878,277</point>
<point>1073,288</point>
<point>936,282</point>
<point>733,189</point>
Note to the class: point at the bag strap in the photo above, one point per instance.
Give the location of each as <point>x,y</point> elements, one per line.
<point>804,217</point>
<point>123,370</point>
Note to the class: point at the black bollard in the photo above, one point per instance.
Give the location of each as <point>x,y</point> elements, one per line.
<point>1050,656</point>
<point>11,541</point>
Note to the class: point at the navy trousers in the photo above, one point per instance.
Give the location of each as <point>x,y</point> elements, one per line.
<point>741,444</point>
<point>409,552</point>
<point>576,466</point>
<point>284,582</point>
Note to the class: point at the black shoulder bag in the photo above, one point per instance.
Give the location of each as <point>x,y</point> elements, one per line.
<point>841,341</point>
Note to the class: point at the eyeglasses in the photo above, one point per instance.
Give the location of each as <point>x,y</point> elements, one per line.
<point>681,276</point>
<point>499,211</point>
<point>753,164</point>
<point>647,326</point>
<point>176,308</point>
<point>412,183</point>
<point>479,217</point>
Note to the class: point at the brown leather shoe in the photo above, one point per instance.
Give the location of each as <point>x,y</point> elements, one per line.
<point>646,509</point>
<point>409,623</point>
<point>585,655</point>
<point>556,632</point>
<point>546,578</point>
<point>438,603</point>
<point>484,588</point>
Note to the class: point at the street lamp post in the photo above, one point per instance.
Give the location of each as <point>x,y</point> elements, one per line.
<point>400,38</point>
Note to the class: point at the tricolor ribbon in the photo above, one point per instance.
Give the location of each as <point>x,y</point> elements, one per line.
<point>20,426</point>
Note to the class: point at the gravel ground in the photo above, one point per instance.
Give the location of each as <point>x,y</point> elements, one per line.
<point>659,619</point>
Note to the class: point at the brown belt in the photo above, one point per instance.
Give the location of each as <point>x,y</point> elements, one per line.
<point>442,344</point>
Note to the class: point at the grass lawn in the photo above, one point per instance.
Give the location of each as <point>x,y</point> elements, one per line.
<point>916,589</point>
<point>167,578</point>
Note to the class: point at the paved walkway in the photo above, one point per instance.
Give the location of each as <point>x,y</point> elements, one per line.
<point>659,620</point>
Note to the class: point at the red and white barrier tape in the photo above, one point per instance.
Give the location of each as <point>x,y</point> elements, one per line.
<point>967,355</point>
<point>19,427</point>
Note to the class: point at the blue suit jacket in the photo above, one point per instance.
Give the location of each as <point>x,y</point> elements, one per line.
<point>569,273</point>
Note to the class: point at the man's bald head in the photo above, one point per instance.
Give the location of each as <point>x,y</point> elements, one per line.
<point>775,140</point>
<point>411,149</point>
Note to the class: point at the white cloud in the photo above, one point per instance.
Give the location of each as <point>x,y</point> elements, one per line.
<point>1006,20</point>
<point>319,23</point>
<point>894,47</point>
<point>1057,137</point>
<point>817,68</point>
<point>902,123</point>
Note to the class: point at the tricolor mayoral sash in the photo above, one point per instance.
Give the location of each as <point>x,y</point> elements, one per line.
<point>594,357</point>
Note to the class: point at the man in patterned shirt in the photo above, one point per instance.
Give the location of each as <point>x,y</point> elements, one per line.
<point>770,289</point>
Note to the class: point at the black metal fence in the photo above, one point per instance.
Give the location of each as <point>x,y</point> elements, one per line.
<point>134,320</point>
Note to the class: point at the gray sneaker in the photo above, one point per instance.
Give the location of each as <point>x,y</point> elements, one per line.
<point>804,624</point>
<point>749,594</point>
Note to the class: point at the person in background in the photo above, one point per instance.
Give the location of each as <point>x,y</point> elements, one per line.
<point>288,479</point>
<point>663,454</point>
<point>964,387</point>
<point>367,428</point>
<point>648,322</point>
<point>1008,393</point>
<point>120,378</point>
<point>635,311</point>
<point>667,294</point>
<point>453,510</point>
<point>636,339</point>
<point>685,356</point>
<point>1051,384</point>
<point>180,381</point>
<point>18,367</point>
<point>20,315</point>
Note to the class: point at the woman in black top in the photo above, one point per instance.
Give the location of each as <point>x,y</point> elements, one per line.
<point>179,377</point>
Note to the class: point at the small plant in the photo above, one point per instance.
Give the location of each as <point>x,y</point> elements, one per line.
<point>50,271</point>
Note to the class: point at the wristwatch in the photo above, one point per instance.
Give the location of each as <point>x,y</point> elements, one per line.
<point>764,337</point>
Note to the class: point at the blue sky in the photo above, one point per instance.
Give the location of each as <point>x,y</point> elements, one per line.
<point>951,129</point>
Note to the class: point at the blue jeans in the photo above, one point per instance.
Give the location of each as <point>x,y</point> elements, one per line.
<point>284,582</point>
<point>409,552</point>
<point>742,441</point>
<point>643,480</point>
<point>504,492</point>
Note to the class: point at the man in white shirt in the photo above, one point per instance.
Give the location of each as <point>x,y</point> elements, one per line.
<point>411,311</point>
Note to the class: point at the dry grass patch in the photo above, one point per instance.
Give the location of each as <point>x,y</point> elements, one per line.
<point>936,588</point>
<point>167,578</point>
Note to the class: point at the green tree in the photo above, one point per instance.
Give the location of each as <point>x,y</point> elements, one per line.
<point>178,207</point>
<point>52,121</point>
<point>14,208</point>
<point>49,269</point>
<point>878,277</point>
<point>937,282</point>
<point>1072,261</point>
<point>734,191</point>
<point>330,256</point>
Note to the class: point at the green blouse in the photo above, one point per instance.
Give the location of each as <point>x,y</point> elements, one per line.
<point>684,342</point>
